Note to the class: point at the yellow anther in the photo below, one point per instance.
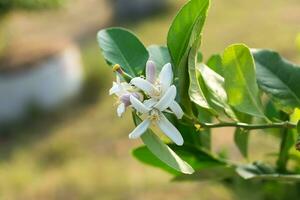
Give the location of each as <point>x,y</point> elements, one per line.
<point>198,127</point>
<point>116,67</point>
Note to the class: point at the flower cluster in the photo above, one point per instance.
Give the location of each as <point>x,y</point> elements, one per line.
<point>150,97</point>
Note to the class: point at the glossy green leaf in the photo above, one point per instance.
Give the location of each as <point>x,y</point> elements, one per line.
<point>197,158</point>
<point>163,152</point>
<point>240,80</point>
<point>196,89</point>
<point>215,63</point>
<point>160,55</point>
<point>186,29</point>
<point>279,78</point>
<point>215,85</point>
<point>184,32</point>
<point>122,47</point>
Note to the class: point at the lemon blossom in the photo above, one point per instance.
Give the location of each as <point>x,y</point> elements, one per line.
<point>123,91</point>
<point>154,116</point>
<point>156,87</point>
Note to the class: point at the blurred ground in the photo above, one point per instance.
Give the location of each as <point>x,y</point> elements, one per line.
<point>82,151</point>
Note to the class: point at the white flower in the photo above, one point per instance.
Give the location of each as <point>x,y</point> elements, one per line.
<point>123,91</point>
<point>155,116</point>
<point>156,87</point>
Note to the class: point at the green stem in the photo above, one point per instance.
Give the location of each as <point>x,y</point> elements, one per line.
<point>286,124</point>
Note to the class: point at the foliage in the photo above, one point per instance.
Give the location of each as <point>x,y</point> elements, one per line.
<point>231,89</point>
<point>9,5</point>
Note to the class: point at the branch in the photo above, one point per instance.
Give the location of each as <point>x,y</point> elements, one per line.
<point>245,126</point>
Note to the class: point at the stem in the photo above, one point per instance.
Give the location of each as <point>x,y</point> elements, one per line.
<point>286,124</point>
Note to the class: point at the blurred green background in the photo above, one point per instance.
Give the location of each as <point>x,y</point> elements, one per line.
<point>81,150</point>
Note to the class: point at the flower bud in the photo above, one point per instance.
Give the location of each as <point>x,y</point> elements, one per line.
<point>150,71</point>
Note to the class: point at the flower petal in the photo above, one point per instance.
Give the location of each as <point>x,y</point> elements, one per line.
<point>140,129</point>
<point>139,106</point>
<point>114,89</point>
<point>167,99</point>
<point>176,109</point>
<point>143,85</point>
<point>121,109</point>
<point>166,76</point>
<point>170,130</point>
<point>150,71</point>
<point>150,102</point>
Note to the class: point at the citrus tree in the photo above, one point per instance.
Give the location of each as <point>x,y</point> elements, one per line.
<point>177,99</point>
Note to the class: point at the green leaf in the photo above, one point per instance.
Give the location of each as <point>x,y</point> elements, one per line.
<point>215,63</point>
<point>241,136</point>
<point>160,55</point>
<point>184,32</point>
<point>186,29</point>
<point>196,89</point>
<point>279,78</point>
<point>122,47</point>
<point>263,172</point>
<point>197,158</point>
<point>241,140</point>
<point>240,80</point>
<point>163,152</point>
<point>216,173</point>
<point>215,85</point>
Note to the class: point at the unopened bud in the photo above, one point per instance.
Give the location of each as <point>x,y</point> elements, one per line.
<point>198,127</point>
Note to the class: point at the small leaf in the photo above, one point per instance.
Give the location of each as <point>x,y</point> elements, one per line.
<point>279,78</point>
<point>160,55</point>
<point>264,173</point>
<point>122,47</point>
<point>163,152</point>
<point>196,89</point>
<point>240,81</point>
<point>241,140</point>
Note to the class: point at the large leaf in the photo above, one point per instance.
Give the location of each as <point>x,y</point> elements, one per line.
<point>240,80</point>
<point>197,158</point>
<point>122,47</point>
<point>163,152</point>
<point>184,32</point>
<point>279,78</point>
<point>160,55</point>
<point>186,29</point>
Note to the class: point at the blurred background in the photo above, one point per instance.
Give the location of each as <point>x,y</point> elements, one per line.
<point>60,137</point>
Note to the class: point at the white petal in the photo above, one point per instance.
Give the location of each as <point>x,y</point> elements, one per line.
<point>150,102</point>
<point>121,109</point>
<point>176,109</point>
<point>167,99</point>
<point>140,129</point>
<point>143,85</point>
<point>170,130</point>
<point>114,89</point>
<point>150,71</point>
<point>139,106</point>
<point>166,76</point>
